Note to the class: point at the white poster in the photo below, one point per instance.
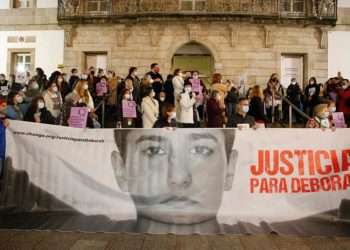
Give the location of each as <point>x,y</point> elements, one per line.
<point>180,181</point>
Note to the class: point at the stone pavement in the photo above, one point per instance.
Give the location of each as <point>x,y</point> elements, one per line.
<point>40,240</point>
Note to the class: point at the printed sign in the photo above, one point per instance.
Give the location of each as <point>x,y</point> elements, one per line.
<point>78,117</point>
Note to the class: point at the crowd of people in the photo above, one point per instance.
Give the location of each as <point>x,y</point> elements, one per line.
<point>180,100</point>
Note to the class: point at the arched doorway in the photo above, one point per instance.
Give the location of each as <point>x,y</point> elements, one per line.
<point>194,56</point>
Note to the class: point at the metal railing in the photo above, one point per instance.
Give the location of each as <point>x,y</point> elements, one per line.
<point>114,9</point>
<point>292,107</point>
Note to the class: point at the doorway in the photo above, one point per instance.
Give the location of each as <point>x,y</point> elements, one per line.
<point>194,56</point>
<point>292,66</point>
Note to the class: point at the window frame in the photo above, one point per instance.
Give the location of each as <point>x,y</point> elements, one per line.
<point>194,5</point>
<point>292,12</point>
<point>32,4</point>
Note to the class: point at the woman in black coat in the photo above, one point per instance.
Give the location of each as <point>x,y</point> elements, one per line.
<point>38,113</point>
<point>257,108</point>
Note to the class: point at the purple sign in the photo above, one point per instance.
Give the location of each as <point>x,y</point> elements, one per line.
<point>129,109</point>
<point>196,85</point>
<point>339,120</point>
<point>78,117</point>
<point>101,89</point>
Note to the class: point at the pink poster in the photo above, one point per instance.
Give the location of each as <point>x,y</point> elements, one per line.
<point>101,89</point>
<point>339,120</point>
<point>129,109</point>
<point>78,117</point>
<point>196,84</point>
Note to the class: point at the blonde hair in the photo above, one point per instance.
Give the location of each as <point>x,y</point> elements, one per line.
<point>319,108</point>
<point>256,91</point>
<point>82,93</point>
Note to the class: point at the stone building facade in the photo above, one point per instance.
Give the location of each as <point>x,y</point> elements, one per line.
<point>245,42</point>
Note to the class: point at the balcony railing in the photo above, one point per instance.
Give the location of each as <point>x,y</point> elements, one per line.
<point>114,10</point>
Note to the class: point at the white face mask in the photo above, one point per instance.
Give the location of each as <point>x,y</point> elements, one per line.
<point>195,77</point>
<point>19,99</point>
<point>294,82</point>
<point>324,115</point>
<point>151,81</point>
<point>127,97</point>
<point>84,76</point>
<point>188,90</point>
<point>153,94</point>
<point>41,105</point>
<point>162,99</point>
<point>173,116</point>
<point>333,109</point>
<point>35,86</point>
<point>55,89</point>
<point>245,109</point>
<point>86,87</point>
<point>345,86</point>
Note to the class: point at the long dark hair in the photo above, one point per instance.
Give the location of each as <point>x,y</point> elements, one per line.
<point>34,104</point>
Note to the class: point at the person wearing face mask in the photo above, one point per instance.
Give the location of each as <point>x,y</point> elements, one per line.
<point>125,122</point>
<point>320,118</point>
<point>311,95</point>
<point>32,91</point>
<point>155,73</point>
<point>344,100</point>
<point>38,113</point>
<point>4,122</point>
<point>53,101</point>
<point>63,86</point>
<point>80,97</point>
<point>74,78</point>
<point>135,79</point>
<point>186,111</point>
<point>241,116</point>
<point>294,95</point>
<point>215,111</point>
<point>178,85</point>
<point>167,117</point>
<point>162,101</point>
<point>4,88</point>
<point>16,107</point>
<point>169,89</point>
<point>149,109</point>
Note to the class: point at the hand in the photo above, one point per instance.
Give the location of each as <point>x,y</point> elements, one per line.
<point>37,117</point>
<point>6,123</point>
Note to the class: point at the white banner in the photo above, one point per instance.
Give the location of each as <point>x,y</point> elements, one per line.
<point>294,181</point>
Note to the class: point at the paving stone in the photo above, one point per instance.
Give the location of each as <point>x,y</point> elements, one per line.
<point>258,242</point>
<point>126,242</point>
<point>221,242</point>
<point>192,242</point>
<point>89,245</point>
<point>159,242</point>
<point>289,242</point>
<point>323,243</point>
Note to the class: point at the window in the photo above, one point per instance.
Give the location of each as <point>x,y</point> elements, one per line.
<point>97,5</point>
<point>98,60</point>
<point>293,7</point>
<point>22,62</point>
<point>23,4</point>
<point>193,5</point>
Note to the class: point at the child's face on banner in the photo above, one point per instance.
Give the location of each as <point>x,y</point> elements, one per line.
<point>175,176</point>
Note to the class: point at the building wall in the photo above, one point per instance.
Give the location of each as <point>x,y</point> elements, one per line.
<point>247,54</point>
<point>48,48</point>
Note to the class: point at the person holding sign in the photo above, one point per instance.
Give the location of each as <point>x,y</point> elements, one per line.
<point>127,112</point>
<point>149,108</point>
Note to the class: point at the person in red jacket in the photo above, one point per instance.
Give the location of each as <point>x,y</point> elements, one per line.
<point>215,110</point>
<point>344,101</point>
